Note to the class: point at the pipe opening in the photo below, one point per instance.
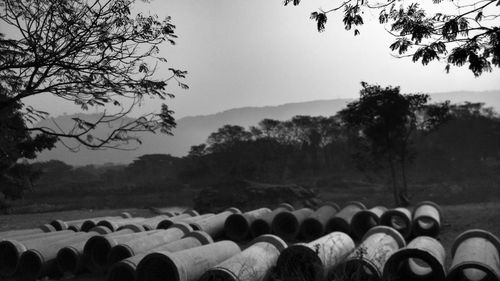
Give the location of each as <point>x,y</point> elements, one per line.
<point>164,224</point>
<point>357,269</point>
<point>118,253</point>
<point>299,263</point>
<point>9,258</point>
<point>398,222</point>
<point>67,260</point>
<point>419,266</point>
<point>260,227</point>
<point>99,253</point>
<point>30,265</point>
<point>312,229</point>
<point>286,225</point>
<point>473,274</point>
<point>236,227</point>
<point>157,267</point>
<point>121,272</point>
<point>337,224</point>
<point>217,275</point>
<point>362,222</point>
<point>87,225</point>
<point>425,223</point>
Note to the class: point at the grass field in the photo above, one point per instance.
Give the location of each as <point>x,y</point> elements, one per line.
<point>457,218</point>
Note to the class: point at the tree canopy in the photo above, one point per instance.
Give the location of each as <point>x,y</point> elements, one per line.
<point>96,54</point>
<point>466,34</point>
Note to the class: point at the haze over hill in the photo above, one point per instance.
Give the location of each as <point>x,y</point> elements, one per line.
<point>193,130</point>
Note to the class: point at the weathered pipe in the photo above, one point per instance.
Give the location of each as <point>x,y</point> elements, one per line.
<point>399,219</point>
<point>21,232</point>
<point>191,212</point>
<point>421,260</point>
<point>77,224</point>
<point>253,264</point>
<point>154,222</point>
<point>342,220</point>
<point>475,257</point>
<point>97,248</point>
<point>115,224</point>
<point>126,270</point>
<point>426,219</point>
<point>71,258</point>
<point>314,226</point>
<point>214,225</point>
<point>41,261</point>
<point>163,211</point>
<point>237,226</point>
<point>186,265</point>
<point>314,260</point>
<point>166,223</point>
<point>368,259</point>
<point>287,224</point>
<point>11,250</point>
<point>262,225</point>
<point>28,236</point>
<point>366,219</point>
<point>131,248</point>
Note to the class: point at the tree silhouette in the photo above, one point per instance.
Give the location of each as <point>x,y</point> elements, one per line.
<point>95,54</point>
<point>466,35</point>
<point>385,121</point>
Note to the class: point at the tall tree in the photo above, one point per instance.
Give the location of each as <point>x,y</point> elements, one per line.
<point>385,121</point>
<point>468,33</point>
<point>96,54</point>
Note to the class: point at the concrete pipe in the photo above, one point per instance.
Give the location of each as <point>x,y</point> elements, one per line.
<point>421,260</point>
<point>287,224</point>
<point>88,223</point>
<point>96,250</point>
<point>37,235</point>
<point>214,225</point>
<point>262,225</point>
<point>426,219</point>
<point>59,225</point>
<point>366,219</point>
<point>399,219</point>
<point>475,257</point>
<point>237,226</point>
<point>312,261</point>
<point>22,232</point>
<point>11,250</point>
<point>253,264</point>
<point>342,220</point>
<point>41,261</point>
<point>115,224</point>
<point>166,223</point>
<point>143,244</point>
<point>163,211</point>
<point>126,270</point>
<point>186,265</point>
<point>71,258</point>
<point>191,212</point>
<point>367,261</point>
<point>314,226</point>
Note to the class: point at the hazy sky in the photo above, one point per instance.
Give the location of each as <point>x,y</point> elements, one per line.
<point>258,52</point>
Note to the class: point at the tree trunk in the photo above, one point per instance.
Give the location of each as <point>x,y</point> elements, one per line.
<point>395,189</point>
<point>403,195</point>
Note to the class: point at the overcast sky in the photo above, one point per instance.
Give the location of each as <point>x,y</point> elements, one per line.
<point>258,52</point>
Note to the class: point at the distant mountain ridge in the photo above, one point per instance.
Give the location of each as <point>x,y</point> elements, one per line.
<point>193,130</point>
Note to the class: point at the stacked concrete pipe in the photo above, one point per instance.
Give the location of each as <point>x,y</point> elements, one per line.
<point>476,257</point>
<point>421,260</point>
<point>164,222</point>
<point>186,265</point>
<point>20,232</point>
<point>214,225</point>
<point>399,219</point>
<point>116,224</point>
<point>71,258</point>
<point>314,226</point>
<point>366,219</point>
<point>76,225</point>
<point>126,270</point>
<point>427,218</point>
<point>139,245</point>
<point>287,224</point>
<point>12,249</point>
<point>313,261</point>
<point>40,261</point>
<point>237,226</point>
<point>342,220</point>
<point>262,225</point>
<point>367,261</point>
<point>253,264</point>
<point>187,218</point>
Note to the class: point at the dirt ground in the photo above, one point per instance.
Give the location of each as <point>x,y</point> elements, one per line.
<point>457,219</point>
